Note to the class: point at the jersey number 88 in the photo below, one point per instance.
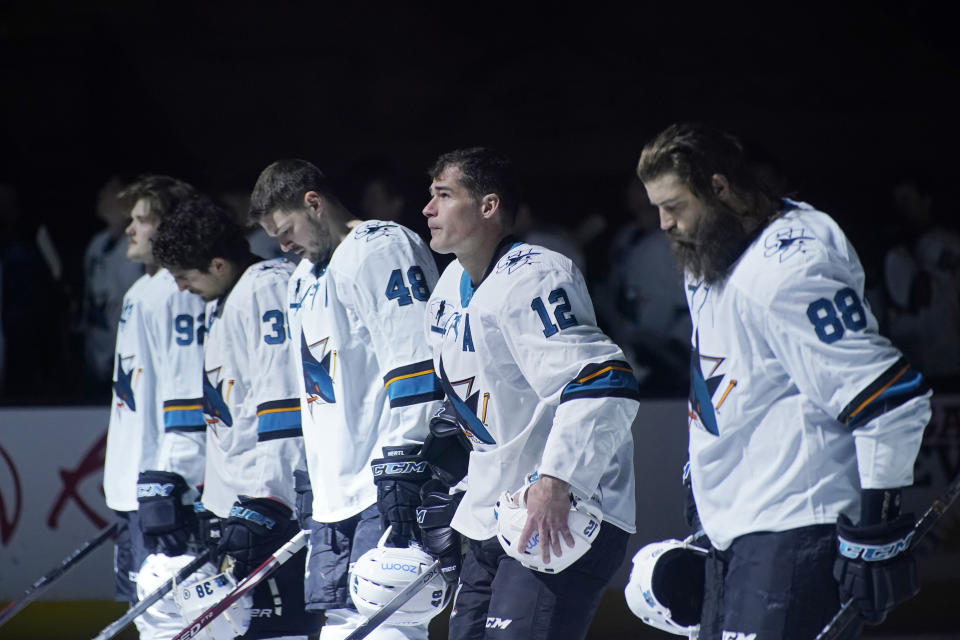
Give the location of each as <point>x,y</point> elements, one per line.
<point>830,317</point>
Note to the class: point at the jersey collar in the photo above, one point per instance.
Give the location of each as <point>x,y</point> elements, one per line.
<point>467,288</point>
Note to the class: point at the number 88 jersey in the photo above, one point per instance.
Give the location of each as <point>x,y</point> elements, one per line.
<point>788,375</point>
<point>537,385</point>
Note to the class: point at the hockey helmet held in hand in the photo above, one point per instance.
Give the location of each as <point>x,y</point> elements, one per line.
<point>162,619</point>
<point>380,573</point>
<point>193,597</point>
<point>666,586</point>
<point>511,513</point>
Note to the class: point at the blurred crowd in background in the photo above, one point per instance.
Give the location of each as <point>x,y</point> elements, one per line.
<point>60,302</point>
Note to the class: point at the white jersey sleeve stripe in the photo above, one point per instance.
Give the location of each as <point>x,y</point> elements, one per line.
<point>278,419</point>
<point>896,385</point>
<point>612,379</point>
<point>183,415</point>
<point>412,384</point>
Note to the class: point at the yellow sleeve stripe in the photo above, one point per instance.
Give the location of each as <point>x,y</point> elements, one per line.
<point>184,407</point>
<point>279,410</point>
<point>878,392</point>
<point>603,371</point>
<point>409,375</point>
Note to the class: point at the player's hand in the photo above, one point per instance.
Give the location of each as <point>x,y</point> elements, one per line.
<point>166,522</point>
<point>875,567</point>
<point>548,511</point>
<point>440,540</point>
<point>255,529</point>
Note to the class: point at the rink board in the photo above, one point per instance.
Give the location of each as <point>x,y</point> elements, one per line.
<point>51,500</point>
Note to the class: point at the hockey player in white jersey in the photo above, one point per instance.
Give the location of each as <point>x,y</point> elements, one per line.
<point>547,403</point>
<point>250,403</point>
<point>155,441</point>
<point>366,378</point>
<point>804,422</point>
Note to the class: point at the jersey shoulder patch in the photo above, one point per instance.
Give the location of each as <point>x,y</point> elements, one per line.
<point>800,240</point>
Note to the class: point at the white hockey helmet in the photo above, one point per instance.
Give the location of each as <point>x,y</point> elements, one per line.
<point>162,619</point>
<point>511,514</point>
<point>381,572</point>
<point>194,596</point>
<point>666,586</point>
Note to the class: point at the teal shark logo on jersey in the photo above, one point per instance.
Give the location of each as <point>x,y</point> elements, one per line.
<point>213,403</point>
<point>123,385</point>
<point>785,243</point>
<point>372,230</point>
<point>472,426</point>
<point>702,388</point>
<point>516,259</point>
<point>316,373</point>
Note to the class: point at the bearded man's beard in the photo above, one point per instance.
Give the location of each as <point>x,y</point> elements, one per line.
<point>709,252</point>
<point>321,243</point>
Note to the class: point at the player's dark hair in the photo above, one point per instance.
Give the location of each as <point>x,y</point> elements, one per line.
<point>283,184</point>
<point>484,171</point>
<point>162,193</point>
<point>694,152</point>
<point>197,232</point>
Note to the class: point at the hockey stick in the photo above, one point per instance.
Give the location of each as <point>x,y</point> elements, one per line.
<point>259,574</point>
<point>117,625</point>
<point>367,626</point>
<point>42,584</point>
<point>848,613</point>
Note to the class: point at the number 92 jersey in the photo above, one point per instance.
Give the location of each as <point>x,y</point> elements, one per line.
<point>250,397</point>
<point>788,376</point>
<point>538,385</point>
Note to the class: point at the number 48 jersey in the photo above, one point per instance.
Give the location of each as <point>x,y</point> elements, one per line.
<point>539,387</point>
<point>366,375</point>
<point>796,401</point>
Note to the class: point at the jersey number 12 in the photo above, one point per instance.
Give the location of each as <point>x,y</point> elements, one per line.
<point>561,313</point>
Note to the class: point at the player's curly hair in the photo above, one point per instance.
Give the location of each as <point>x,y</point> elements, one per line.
<point>484,171</point>
<point>694,152</point>
<point>283,184</point>
<point>162,193</point>
<point>198,231</point>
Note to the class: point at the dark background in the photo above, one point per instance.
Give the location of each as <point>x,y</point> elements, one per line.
<point>844,99</point>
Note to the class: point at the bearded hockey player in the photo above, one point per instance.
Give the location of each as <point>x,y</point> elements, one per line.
<point>804,421</point>
<point>250,404</point>
<point>546,402</point>
<point>366,383</point>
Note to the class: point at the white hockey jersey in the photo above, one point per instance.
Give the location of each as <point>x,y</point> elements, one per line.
<point>156,420</point>
<point>250,398</point>
<point>788,378</point>
<point>367,380</point>
<point>539,385</point>
<point>107,274</point>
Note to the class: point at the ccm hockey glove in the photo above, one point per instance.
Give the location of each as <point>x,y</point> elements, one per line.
<point>166,522</point>
<point>446,448</point>
<point>399,474</point>
<point>874,567</point>
<point>255,529</point>
<point>439,539</point>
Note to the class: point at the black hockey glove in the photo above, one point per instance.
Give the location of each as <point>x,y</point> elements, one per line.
<point>301,484</point>
<point>208,526</point>
<point>446,448</point>
<point>439,539</point>
<point>166,522</point>
<point>874,567</point>
<point>255,529</point>
<point>399,474</point>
